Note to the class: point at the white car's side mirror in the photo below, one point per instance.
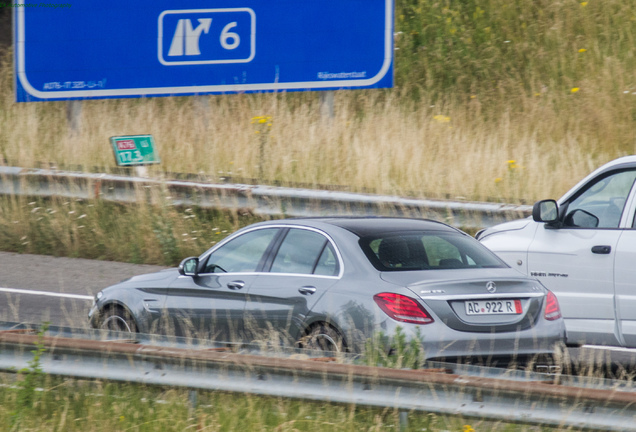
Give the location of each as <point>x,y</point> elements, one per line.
<point>545,211</point>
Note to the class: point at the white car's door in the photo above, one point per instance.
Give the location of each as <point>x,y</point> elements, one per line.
<point>582,280</point>
<point>625,276</point>
<point>576,261</point>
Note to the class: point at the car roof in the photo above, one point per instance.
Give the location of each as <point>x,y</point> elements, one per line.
<point>622,160</point>
<point>370,225</point>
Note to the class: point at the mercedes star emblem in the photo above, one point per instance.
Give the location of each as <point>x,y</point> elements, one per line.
<point>491,287</point>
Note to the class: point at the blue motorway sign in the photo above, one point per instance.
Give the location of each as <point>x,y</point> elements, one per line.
<point>91,49</point>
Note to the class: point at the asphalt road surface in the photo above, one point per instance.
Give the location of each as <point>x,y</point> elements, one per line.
<point>38,288</point>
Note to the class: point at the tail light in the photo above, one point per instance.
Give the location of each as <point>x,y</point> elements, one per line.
<point>552,310</point>
<point>402,308</point>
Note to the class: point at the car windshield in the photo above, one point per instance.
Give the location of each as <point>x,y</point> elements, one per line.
<point>427,250</point>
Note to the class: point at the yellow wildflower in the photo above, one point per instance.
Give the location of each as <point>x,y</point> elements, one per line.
<point>583,4</point>
<point>574,90</point>
<point>442,119</point>
<point>261,119</point>
<point>498,180</point>
<point>582,50</point>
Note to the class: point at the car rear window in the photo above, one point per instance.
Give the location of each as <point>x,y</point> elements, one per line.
<point>408,251</point>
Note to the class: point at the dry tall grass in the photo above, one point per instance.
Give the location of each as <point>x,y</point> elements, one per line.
<point>375,141</point>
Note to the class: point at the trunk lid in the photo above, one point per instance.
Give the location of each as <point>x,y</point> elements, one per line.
<point>476,300</point>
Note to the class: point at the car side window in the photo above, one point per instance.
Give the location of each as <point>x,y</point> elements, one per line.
<point>241,254</point>
<point>299,252</point>
<point>328,262</point>
<point>601,204</point>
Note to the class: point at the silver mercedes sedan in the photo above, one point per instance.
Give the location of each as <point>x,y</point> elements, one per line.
<point>334,283</point>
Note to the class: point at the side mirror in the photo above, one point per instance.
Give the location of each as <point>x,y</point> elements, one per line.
<point>189,267</point>
<point>545,211</point>
<point>581,219</point>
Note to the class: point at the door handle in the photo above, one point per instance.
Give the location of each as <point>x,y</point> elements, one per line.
<point>603,250</point>
<point>235,285</point>
<point>307,290</point>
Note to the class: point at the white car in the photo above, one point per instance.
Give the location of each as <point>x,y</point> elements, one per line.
<point>583,248</point>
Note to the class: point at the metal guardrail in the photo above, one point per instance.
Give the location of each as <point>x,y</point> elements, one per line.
<point>266,200</point>
<point>439,390</point>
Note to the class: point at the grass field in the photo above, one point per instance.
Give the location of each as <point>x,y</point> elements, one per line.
<point>160,234</point>
<point>70,405</point>
<point>377,142</point>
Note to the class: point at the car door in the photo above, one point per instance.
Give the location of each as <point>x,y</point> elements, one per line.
<point>576,260</point>
<point>625,276</point>
<point>211,305</point>
<point>303,268</point>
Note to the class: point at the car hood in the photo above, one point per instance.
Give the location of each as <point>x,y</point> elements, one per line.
<point>166,275</point>
<point>506,226</point>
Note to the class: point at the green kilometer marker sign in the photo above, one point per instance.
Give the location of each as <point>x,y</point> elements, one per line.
<point>135,150</point>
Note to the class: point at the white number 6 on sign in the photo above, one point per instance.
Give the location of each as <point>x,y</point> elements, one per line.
<point>226,34</point>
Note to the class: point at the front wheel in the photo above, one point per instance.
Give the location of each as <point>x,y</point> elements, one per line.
<point>117,319</point>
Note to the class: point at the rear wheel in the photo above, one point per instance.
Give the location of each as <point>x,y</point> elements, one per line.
<point>117,319</point>
<point>323,337</point>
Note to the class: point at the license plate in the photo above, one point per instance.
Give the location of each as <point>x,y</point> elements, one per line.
<point>493,307</point>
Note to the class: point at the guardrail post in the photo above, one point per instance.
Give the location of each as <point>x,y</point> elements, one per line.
<point>404,420</point>
<point>193,397</point>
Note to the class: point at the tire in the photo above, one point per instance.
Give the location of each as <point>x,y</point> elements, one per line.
<point>323,337</point>
<point>117,319</point>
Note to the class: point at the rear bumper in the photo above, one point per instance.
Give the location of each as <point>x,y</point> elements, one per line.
<point>443,343</point>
